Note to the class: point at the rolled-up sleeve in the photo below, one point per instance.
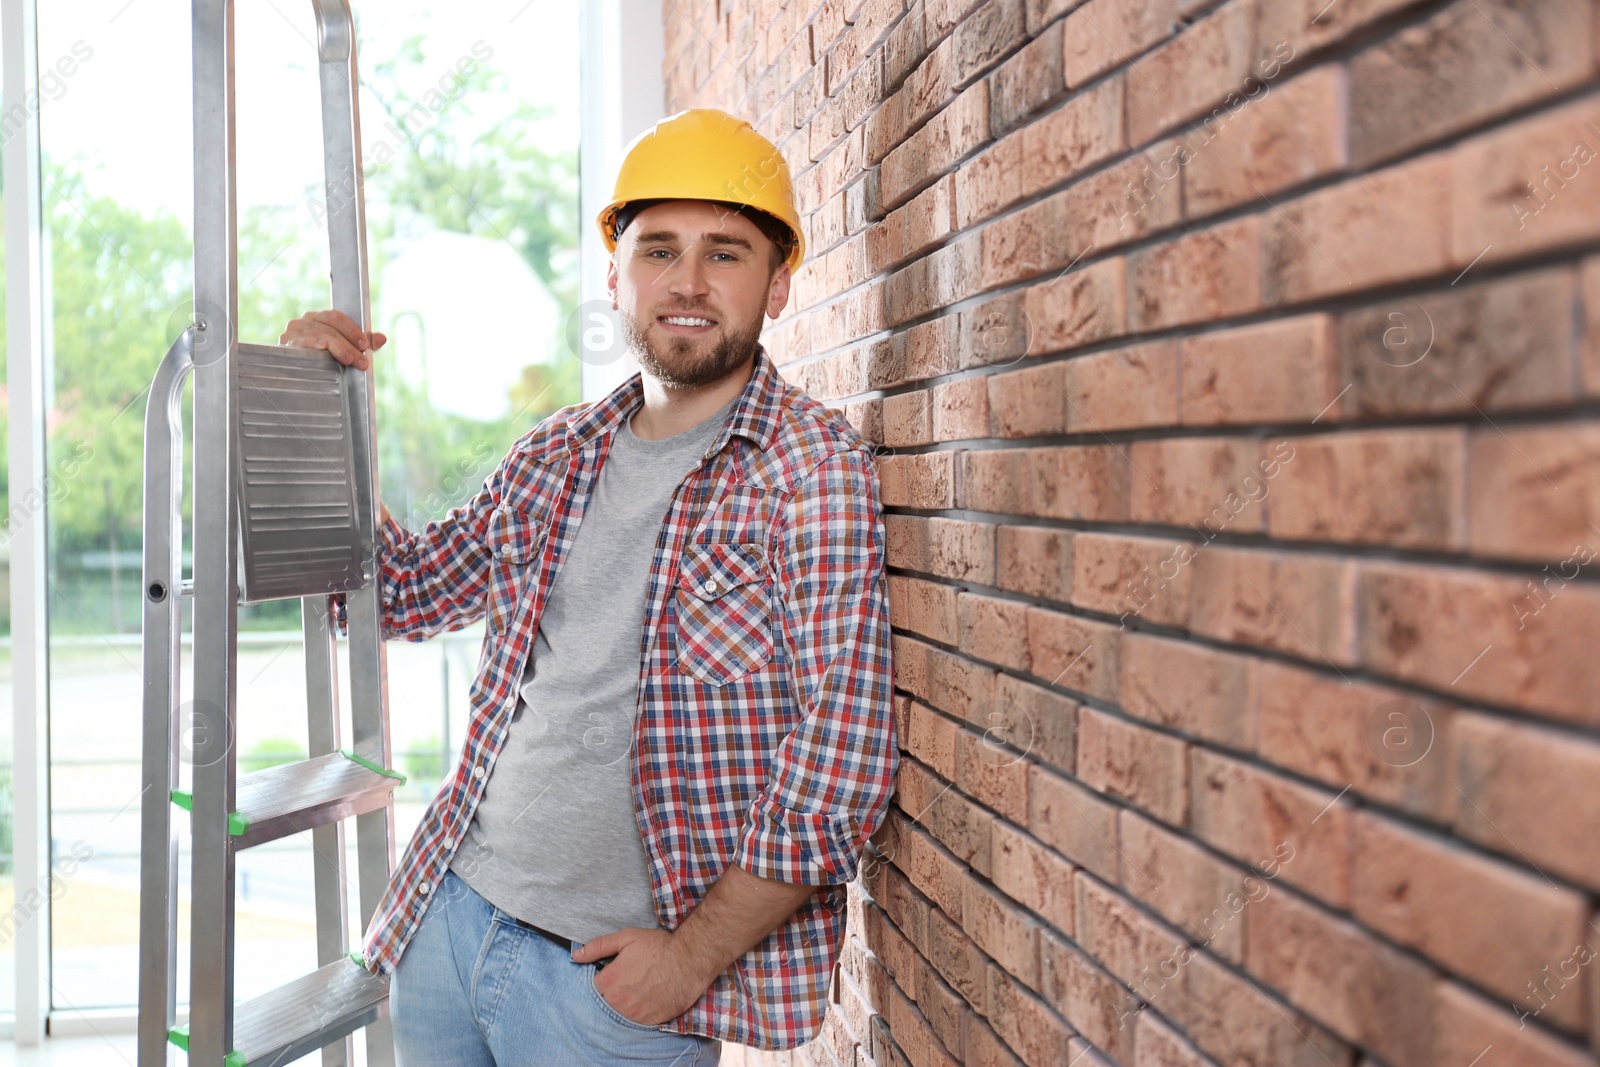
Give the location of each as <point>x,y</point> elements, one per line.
<point>437,578</point>
<point>828,785</point>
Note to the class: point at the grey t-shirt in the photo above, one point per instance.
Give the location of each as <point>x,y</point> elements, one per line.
<point>555,839</point>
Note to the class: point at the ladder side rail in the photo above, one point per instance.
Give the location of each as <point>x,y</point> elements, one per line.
<point>327,842</point>
<point>163,625</point>
<point>216,536</point>
<point>346,215</point>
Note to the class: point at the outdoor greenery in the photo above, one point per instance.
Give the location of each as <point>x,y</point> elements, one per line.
<point>468,161</point>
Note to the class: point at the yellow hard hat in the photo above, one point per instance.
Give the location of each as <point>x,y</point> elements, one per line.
<point>706,154</point>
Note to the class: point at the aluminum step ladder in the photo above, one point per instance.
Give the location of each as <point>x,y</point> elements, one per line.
<point>284,506</point>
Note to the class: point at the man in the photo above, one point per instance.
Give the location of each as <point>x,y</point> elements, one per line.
<point>681,730</point>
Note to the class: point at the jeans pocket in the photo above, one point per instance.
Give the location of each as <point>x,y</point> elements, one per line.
<point>605,1006</point>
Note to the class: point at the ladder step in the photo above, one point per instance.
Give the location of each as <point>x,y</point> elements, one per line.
<point>295,797</point>
<point>308,1013</point>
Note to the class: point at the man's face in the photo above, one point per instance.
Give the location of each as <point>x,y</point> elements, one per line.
<point>692,281</point>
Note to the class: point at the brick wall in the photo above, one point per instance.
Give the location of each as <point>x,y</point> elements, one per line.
<point>1235,368</point>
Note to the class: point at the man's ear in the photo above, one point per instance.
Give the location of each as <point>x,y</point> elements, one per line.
<point>611,279</point>
<point>778,290</point>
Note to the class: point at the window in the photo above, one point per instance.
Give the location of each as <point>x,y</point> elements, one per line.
<point>470,133</point>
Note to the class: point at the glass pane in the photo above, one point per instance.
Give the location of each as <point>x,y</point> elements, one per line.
<point>470,132</point>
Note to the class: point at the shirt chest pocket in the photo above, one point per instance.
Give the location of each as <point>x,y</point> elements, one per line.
<point>514,542</point>
<point>724,600</point>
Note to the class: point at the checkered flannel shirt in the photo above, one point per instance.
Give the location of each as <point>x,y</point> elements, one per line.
<point>764,734</point>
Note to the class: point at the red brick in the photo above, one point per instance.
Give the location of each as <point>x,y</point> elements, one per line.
<point>956,958</point>
<point>1380,742</point>
<point>1079,482</point>
<point>1003,930</point>
<point>1024,1022</point>
<point>1027,242</point>
<point>1186,885</point>
<point>995,630</point>
<point>1158,1045</point>
<point>1136,949</point>
<point>932,83</point>
<point>1475,348</point>
<point>985,1049</point>
<point>925,481</point>
<point>913,1034</point>
<point>1306,26</point>
<point>1124,202</point>
<point>1465,1025</point>
<point>1535,495</point>
<point>926,350</point>
<point>940,1006</point>
<point>1036,560</point>
<point>1123,389</point>
<point>960,825</point>
<point>931,868</point>
<point>1073,821</point>
<point>1083,306</point>
<point>1290,134</point>
<point>1528,793</point>
<point>992,775</point>
<point>960,409</point>
<point>1204,275</point>
<point>997,480</point>
<point>1084,131</point>
<point>907,419</point>
<point>1027,82</point>
<point>1392,487</point>
<point>1309,956</point>
<point>934,149</point>
<point>1265,820</point>
<point>1073,652</point>
<point>948,548</point>
<point>913,228</point>
<point>1028,403</point>
<point>1342,239</point>
<point>1122,759</point>
<point>996,332</point>
<point>1209,484</point>
<point>1237,1022</point>
<point>1139,577</point>
<point>1589,281</point>
<point>1185,77</point>
<point>1471,61</point>
<point>1034,876</point>
<point>1098,1005</point>
<point>1456,629</point>
<point>923,607</point>
<point>1299,604</point>
<point>908,911</point>
<point>1102,35</point>
<point>991,31</point>
<point>948,682</point>
<point>1486,921</point>
<point>1199,691</point>
<point>1284,371</point>
<point>932,739</point>
<point>1040,723</point>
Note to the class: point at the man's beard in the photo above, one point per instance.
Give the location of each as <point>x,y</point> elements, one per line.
<point>676,364</point>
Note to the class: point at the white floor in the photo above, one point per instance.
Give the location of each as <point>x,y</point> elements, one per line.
<point>110,1051</point>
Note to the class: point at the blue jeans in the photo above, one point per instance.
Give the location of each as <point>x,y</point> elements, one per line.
<point>475,989</point>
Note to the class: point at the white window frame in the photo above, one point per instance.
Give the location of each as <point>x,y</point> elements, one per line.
<point>25,370</point>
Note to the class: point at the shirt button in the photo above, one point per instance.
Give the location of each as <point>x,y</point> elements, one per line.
<point>423,888</point>
<point>477,772</point>
<point>711,586</point>
<point>505,550</point>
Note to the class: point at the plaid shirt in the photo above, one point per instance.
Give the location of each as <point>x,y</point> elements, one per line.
<point>764,734</point>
